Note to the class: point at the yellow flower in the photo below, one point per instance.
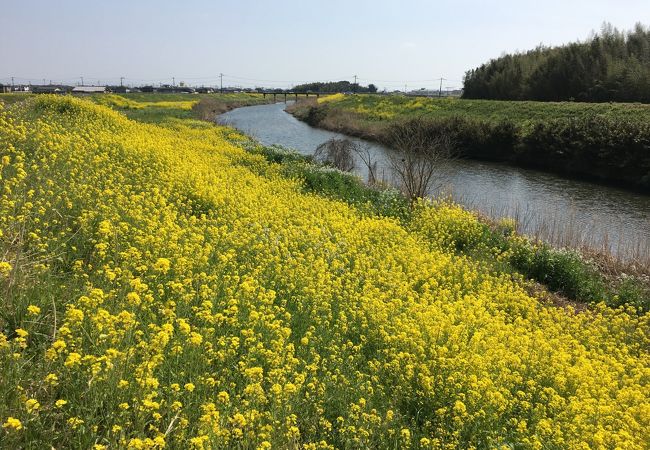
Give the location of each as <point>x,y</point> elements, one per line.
<point>223,397</point>
<point>75,422</point>
<point>51,379</point>
<point>12,424</point>
<point>32,405</point>
<point>189,387</point>
<point>195,338</point>
<point>21,333</point>
<point>133,298</point>
<point>60,403</point>
<point>73,360</point>
<point>33,310</point>
<point>162,265</point>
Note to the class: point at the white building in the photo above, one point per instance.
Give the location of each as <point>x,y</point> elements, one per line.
<point>89,90</point>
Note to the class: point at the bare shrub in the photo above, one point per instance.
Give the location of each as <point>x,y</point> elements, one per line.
<point>421,158</point>
<point>338,153</point>
<point>366,156</point>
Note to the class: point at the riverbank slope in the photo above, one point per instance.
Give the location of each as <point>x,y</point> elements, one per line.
<point>168,285</point>
<point>604,142</point>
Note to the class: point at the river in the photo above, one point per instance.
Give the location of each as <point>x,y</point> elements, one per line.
<point>561,211</point>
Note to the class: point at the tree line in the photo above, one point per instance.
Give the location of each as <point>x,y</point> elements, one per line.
<point>334,86</point>
<point>609,66</point>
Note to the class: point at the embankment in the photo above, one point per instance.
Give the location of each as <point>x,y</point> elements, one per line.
<point>167,286</point>
<point>604,143</point>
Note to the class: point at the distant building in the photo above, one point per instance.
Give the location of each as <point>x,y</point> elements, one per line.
<point>166,89</point>
<point>205,90</point>
<point>89,90</point>
<point>119,89</point>
<point>51,89</point>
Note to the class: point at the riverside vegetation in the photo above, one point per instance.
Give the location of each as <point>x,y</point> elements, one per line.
<point>606,142</point>
<point>175,284</point>
<point>609,66</point>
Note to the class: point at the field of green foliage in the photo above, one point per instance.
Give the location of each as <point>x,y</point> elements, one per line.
<point>378,108</point>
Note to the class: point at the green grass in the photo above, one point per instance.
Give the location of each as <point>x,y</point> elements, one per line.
<point>604,142</point>
<point>9,99</point>
<point>379,108</point>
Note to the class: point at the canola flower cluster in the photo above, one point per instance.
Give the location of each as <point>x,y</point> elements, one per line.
<point>121,102</point>
<point>331,98</point>
<point>160,287</point>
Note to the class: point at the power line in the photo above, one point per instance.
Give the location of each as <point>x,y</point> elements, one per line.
<point>246,80</point>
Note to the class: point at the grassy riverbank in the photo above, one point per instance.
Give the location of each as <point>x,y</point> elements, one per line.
<point>157,108</point>
<point>571,276</point>
<point>177,284</point>
<point>604,142</point>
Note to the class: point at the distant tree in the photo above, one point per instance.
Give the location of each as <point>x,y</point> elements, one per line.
<point>372,88</point>
<point>332,86</point>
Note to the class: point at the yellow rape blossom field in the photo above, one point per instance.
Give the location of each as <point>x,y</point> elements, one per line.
<point>162,287</point>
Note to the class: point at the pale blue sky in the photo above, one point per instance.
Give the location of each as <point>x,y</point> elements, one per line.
<point>282,42</point>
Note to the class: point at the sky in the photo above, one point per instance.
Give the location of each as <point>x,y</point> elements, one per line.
<point>394,44</point>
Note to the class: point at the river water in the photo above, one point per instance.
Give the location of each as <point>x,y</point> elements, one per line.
<point>562,211</point>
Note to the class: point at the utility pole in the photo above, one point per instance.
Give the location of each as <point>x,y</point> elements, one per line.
<point>173,81</point>
<point>221,83</point>
<point>12,83</point>
<point>440,91</point>
<point>121,81</point>
<point>354,86</point>
<point>82,80</point>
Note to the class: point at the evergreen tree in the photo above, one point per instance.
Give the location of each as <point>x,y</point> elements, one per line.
<point>609,66</point>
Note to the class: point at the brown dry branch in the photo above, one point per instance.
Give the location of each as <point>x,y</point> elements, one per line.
<point>337,153</point>
<point>420,158</point>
